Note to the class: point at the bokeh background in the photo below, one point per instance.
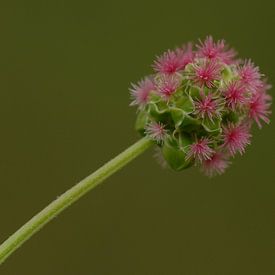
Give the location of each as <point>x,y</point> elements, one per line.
<point>65,69</point>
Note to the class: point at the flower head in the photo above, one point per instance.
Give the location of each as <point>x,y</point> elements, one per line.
<point>140,92</point>
<point>216,50</point>
<point>217,164</point>
<point>173,61</point>
<point>156,131</point>
<point>201,104</point>
<point>236,138</point>
<point>200,150</point>
<point>205,73</point>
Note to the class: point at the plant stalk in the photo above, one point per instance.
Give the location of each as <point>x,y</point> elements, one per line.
<point>71,196</point>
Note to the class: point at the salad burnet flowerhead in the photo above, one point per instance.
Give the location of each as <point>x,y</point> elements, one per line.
<point>200,104</point>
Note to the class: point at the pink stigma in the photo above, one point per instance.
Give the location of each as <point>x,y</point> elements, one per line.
<point>200,150</point>
<point>140,92</point>
<point>236,138</point>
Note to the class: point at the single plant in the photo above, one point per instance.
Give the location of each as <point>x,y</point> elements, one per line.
<point>198,108</point>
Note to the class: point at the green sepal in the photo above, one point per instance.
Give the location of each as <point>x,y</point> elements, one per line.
<point>213,125</point>
<point>186,104</point>
<point>177,116</point>
<point>175,157</point>
<point>141,121</point>
<point>194,92</point>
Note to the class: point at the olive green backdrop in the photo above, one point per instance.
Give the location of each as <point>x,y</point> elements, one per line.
<point>65,69</point>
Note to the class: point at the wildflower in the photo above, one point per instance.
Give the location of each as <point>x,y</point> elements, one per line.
<point>140,92</point>
<point>236,138</point>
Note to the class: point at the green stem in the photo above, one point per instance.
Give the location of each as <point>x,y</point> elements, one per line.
<point>69,197</point>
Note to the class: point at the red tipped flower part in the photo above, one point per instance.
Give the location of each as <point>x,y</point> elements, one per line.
<point>200,104</point>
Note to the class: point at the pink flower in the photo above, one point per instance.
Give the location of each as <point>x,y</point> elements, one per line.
<point>217,164</point>
<point>235,138</point>
<point>207,107</point>
<point>174,61</point>
<point>206,73</point>
<point>259,106</point>
<point>156,131</point>
<point>216,51</point>
<point>167,85</point>
<point>235,94</point>
<point>200,150</point>
<point>250,76</point>
<point>140,92</point>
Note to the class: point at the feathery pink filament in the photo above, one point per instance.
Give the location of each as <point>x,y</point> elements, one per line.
<point>174,61</point>
<point>216,51</point>
<point>200,150</point>
<point>250,76</point>
<point>207,107</point>
<point>217,164</point>
<point>206,73</point>
<point>259,106</point>
<point>140,92</point>
<point>167,85</point>
<point>235,94</point>
<point>236,138</point>
<point>156,131</point>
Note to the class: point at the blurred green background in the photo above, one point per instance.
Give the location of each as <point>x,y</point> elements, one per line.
<point>65,69</point>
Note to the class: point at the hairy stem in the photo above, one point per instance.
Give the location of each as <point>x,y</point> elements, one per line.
<point>69,197</point>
